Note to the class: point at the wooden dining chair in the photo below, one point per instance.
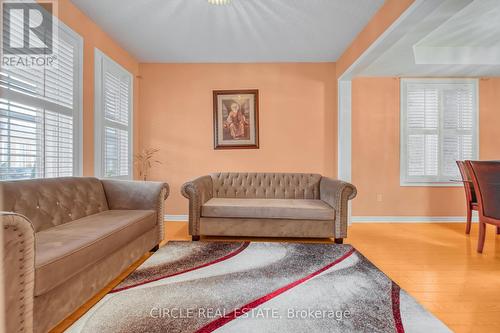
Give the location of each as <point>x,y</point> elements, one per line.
<point>486,179</point>
<point>470,194</point>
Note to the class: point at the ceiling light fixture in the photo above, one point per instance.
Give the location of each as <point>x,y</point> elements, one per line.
<point>219,2</point>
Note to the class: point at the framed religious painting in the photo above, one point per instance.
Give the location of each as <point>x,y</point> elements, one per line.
<point>236,119</point>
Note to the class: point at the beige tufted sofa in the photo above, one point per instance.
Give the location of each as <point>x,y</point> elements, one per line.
<point>268,205</point>
<point>64,239</point>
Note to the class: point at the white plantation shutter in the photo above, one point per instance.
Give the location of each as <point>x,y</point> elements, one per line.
<point>114,113</point>
<point>39,114</point>
<point>458,128</point>
<point>438,127</point>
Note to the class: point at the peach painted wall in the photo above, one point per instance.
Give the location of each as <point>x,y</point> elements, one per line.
<point>489,118</point>
<point>298,112</point>
<point>375,152</point>
<point>93,36</point>
<point>390,11</point>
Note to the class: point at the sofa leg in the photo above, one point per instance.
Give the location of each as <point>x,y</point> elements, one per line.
<point>195,238</point>
<point>156,248</point>
<point>339,241</point>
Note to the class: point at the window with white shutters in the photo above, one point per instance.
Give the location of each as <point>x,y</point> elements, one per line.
<point>39,114</point>
<point>113,118</point>
<point>438,127</point>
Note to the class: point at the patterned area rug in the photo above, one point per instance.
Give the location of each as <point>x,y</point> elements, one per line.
<point>257,287</point>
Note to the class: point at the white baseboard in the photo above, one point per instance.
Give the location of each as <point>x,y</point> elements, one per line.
<point>412,219</point>
<point>373,219</point>
<point>176,218</point>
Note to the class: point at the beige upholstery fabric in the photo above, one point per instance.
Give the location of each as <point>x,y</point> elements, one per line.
<point>295,209</point>
<point>55,305</point>
<point>266,185</point>
<point>242,227</point>
<point>198,191</point>
<point>249,186</point>
<point>53,201</point>
<point>122,194</point>
<point>337,194</point>
<point>66,250</point>
<point>18,262</point>
<point>77,241</point>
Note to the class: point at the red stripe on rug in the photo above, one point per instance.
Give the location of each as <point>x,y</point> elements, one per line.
<point>396,312</point>
<point>212,326</point>
<point>228,256</point>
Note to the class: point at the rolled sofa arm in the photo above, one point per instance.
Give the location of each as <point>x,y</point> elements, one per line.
<point>130,194</point>
<point>198,191</point>
<point>19,269</point>
<point>337,193</point>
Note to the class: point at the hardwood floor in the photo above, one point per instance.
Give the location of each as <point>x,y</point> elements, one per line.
<point>439,266</point>
<point>436,263</point>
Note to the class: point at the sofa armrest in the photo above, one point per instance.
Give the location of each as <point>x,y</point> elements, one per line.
<point>129,194</point>
<point>19,271</point>
<point>198,191</point>
<point>337,193</point>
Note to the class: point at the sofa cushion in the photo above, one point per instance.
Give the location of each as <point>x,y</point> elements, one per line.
<point>65,250</point>
<point>296,209</point>
<point>49,202</point>
<point>266,185</point>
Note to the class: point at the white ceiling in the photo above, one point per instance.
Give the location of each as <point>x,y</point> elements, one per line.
<point>470,37</point>
<point>440,38</point>
<point>244,31</point>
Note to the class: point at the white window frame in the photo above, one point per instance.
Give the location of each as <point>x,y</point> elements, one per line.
<point>99,121</point>
<point>78,95</point>
<point>77,100</point>
<point>404,181</point>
